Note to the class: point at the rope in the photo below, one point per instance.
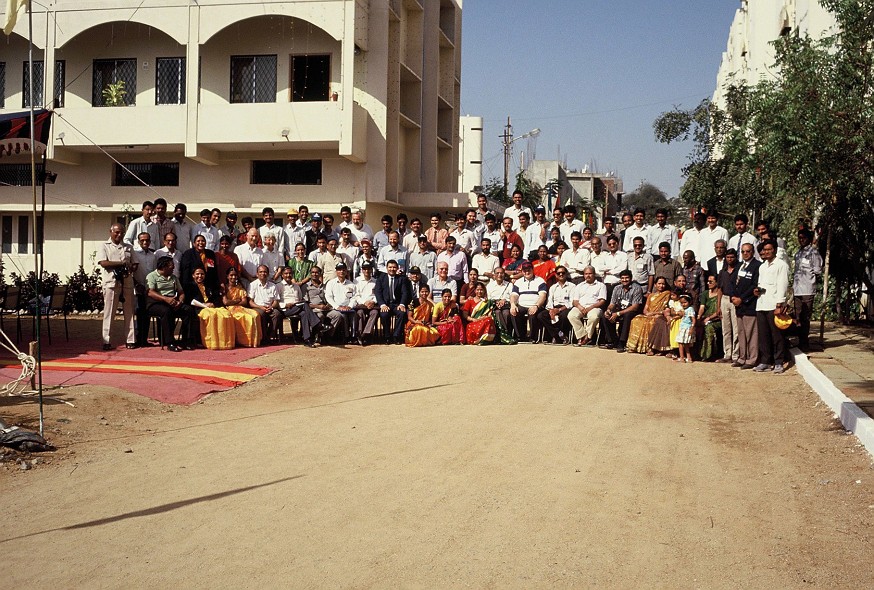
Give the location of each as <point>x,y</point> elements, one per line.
<point>28,367</point>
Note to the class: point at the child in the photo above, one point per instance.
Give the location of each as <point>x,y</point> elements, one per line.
<point>686,335</point>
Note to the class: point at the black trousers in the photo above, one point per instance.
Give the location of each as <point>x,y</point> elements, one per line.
<point>552,330</point>
<point>526,326</point>
<point>617,333</point>
<point>167,317</point>
<point>308,318</point>
<point>772,341</point>
<point>803,311</point>
<point>400,318</point>
<point>142,318</point>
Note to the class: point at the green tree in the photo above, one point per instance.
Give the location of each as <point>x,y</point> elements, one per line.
<point>532,192</point>
<point>647,196</point>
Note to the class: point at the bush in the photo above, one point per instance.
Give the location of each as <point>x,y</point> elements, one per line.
<point>85,293</point>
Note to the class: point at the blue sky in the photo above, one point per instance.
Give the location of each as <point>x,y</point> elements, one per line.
<point>592,75</point>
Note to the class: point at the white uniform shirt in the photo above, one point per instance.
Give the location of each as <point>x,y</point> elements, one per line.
<point>587,294</point>
<point>294,235</point>
<point>495,237</point>
<point>738,240</point>
<point>339,294</point>
<point>600,262</point>
<point>349,254</point>
<point>531,239</point>
<point>465,240</point>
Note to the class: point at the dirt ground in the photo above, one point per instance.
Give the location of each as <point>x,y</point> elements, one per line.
<point>526,466</point>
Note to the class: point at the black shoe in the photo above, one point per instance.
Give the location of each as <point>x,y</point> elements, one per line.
<point>131,346</point>
<point>107,346</point>
<point>174,348</point>
<point>620,349</point>
<point>359,341</point>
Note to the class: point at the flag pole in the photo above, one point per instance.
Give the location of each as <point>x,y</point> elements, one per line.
<point>36,251</point>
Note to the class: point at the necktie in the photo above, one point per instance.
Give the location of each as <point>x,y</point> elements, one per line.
<point>391,289</point>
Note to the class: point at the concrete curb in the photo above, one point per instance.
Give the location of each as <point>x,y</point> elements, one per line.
<point>851,415</point>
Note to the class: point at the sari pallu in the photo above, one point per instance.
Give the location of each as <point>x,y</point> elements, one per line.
<point>421,334</point>
<point>481,327</point>
<point>711,337</point>
<point>641,325</point>
<point>451,332</point>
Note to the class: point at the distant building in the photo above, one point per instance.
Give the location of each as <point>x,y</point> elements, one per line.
<point>238,104</point>
<point>593,193</point>
<point>749,56</point>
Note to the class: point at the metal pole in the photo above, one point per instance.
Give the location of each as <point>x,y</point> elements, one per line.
<point>507,136</point>
<point>36,256</point>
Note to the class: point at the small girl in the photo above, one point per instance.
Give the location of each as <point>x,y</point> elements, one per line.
<point>686,335</point>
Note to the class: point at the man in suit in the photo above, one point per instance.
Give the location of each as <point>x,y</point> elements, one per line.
<point>744,301</point>
<point>715,264</point>
<point>392,293</point>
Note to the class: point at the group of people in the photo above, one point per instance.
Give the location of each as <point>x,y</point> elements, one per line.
<point>482,278</point>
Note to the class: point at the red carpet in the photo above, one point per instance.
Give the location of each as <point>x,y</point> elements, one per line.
<point>168,377</point>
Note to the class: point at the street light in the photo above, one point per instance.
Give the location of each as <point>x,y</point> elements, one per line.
<point>509,140</point>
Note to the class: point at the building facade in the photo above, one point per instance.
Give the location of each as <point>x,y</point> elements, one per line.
<point>593,194</point>
<point>235,104</point>
<point>749,56</point>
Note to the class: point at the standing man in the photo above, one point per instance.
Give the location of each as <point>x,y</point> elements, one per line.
<point>532,236</point>
<point>294,234</point>
<point>392,291</point>
<point>666,266</point>
<point>159,216</point>
<point>515,209</point>
<point>610,229</point>
<point>464,238</point>
<point>627,221</point>
<point>114,258</point>
<point>639,229</point>
<point>510,238</point>
<point>743,236</point>
<point>250,256</point>
<point>771,290</point>
<point>576,258</point>
<point>142,224</point>
<point>360,230</point>
<point>184,229</point>
<point>411,240</point>
<point>715,264</point>
<point>726,281</point>
<point>482,208</point>
<point>144,262</point>
<point>571,224</point>
<point>485,262</point>
<point>456,260</point>
<point>708,237</point>
<point>695,282</point>
<point>493,233</point>
<point>437,235</point>
<point>392,251</point>
<point>206,229</point>
<point>170,250</point>
<point>662,231</point>
<point>424,258</point>
<point>329,260</point>
<point>808,267</point>
<point>614,261</point>
<point>692,236</point>
<point>380,240</point>
<point>271,229</point>
<point>744,301</point>
<point>641,265</point>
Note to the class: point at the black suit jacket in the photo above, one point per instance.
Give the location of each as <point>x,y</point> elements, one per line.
<point>401,295</point>
<point>711,266</point>
<point>191,261</point>
<point>744,286</point>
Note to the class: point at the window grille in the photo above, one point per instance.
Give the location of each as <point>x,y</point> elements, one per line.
<point>111,71</point>
<point>310,77</point>
<point>37,85</point>
<point>152,173</point>
<point>170,80</point>
<point>253,78</point>
<point>19,175</point>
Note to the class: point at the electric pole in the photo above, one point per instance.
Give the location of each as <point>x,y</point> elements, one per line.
<point>507,138</point>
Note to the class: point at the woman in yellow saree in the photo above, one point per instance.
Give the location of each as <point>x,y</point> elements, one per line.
<point>216,323</point>
<point>247,326</point>
<point>641,325</point>
<point>419,331</point>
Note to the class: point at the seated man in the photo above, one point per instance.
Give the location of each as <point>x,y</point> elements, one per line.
<point>339,293</point>
<point>292,305</point>
<point>499,290</point>
<point>625,303</point>
<point>264,299</point>
<point>442,281</point>
<point>392,291</point>
<point>558,306</point>
<point>364,303</point>
<point>588,300</point>
<point>166,302</point>
<point>314,294</point>
<point>528,298</point>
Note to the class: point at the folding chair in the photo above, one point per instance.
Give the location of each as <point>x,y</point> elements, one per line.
<point>57,306</point>
<point>11,304</point>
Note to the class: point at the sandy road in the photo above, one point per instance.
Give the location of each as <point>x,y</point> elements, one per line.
<point>388,467</point>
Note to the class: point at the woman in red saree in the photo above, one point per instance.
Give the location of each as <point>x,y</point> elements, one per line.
<point>544,267</point>
<point>447,320</point>
<point>477,312</point>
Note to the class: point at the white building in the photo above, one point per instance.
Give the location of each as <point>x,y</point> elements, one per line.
<point>594,194</point>
<point>235,104</point>
<point>749,56</point>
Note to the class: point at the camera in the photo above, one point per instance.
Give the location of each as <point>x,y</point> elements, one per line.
<point>120,273</point>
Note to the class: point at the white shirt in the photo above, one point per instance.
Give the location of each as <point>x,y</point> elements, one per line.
<point>278,233</point>
<point>211,234</point>
<point>706,239</point>
<point>575,262</point>
<point>513,213</point>
<point>531,239</point>
<point>636,232</point>
<point>739,240</point>
<point>140,225</point>
<point>567,229</point>
<point>263,294</point>
<point>387,253</point>
<point>464,240</point>
<point>613,265</point>
<point>339,294</point>
<point>560,295</point>
<point>362,233</point>
<point>587,294</point>
<point>349,254</point>
<point>774,278</point>
<point>600,263</point>
<point>496,292</point>
<point>485,264</point>
<point>495,237</point>
<point>273,260</point>
<point>691,241</point>
<point>250,258</point>
<point>289,294</point>
<point>294,235</point>
<point>364,291</point>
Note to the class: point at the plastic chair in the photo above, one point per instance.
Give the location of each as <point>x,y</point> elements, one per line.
<point>11,305</point>
<point>57,306</point>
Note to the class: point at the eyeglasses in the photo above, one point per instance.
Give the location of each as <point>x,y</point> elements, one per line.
<point>560,274</point>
